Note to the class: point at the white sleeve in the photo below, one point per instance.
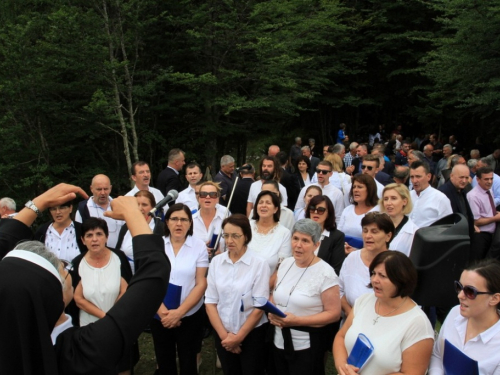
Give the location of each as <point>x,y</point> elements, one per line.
<point>211,294</point>
<point>284,195</point>
<point>285,250</point>
<point>78,217</point>
<point>300,200</point>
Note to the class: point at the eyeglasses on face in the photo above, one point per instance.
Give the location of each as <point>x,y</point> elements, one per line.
<point>469,291</point>
<point>322,171</point>
<point>183,220</point>
<point>234,236</point>
<point>319,210</point>
<point>367,166</point>
<point>212,194</point>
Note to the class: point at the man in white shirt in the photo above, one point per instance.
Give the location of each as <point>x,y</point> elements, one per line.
<point>141,175</point>
<point>7,208</point>
<point>188,195</point>
<point>270,169</point>
<point>429,204</point>
<point>324,171</point>
<point>99,203</point>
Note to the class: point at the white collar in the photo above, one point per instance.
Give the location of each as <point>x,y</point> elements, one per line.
<point>36,259</point>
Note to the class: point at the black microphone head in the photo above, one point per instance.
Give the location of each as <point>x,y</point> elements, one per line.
<point>173,193</point>
<point>245,167</point>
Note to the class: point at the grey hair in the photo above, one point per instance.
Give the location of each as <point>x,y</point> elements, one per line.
<point>174,154</point>
<point>454,160</point>
<point>9,203</point>
<point>448,146</point>
<point>36,247</point>
<point>487,161</point>
<point>312,140</point>
<point>353,146</point>
<point>474,152</point>
<point>471,163</point>
<point>298,139</point>
<point>337,148</point>
<point>226,159</point>
<point>418,154</point>
<point>305,148</point>
<point>309,227</point>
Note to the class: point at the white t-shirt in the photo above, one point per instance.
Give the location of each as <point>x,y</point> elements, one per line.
<point>350,222</point>
<point>101,286</point>
<point>271,247</point>
<point>192,255</point>
<point>483,348</point>
<point>287,218</point>
<point>331,192</point>
<point>390,336</point>
<point>403,241</point>
<point>428,207</point>
<point>256,188</point>
<point>354,278</point>
<point>188,197</point>
<point>305,299</point>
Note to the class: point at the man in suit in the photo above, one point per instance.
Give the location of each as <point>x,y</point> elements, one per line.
<point>289,180</point>
<point>454,190</point>
<point>355,167</point>
<point>168,179</point>
<point>306,151</point>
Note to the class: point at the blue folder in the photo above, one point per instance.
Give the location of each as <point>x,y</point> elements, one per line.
<point>361,352</point>
<point>355,242</point>
<point>456,362</point>
<point>263,304</point>
<point>172,299</point>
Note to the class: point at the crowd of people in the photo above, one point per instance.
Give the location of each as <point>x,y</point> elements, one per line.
<point>326,239</point>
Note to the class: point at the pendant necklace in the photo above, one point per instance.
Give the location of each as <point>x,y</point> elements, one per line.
<point>375,321</point>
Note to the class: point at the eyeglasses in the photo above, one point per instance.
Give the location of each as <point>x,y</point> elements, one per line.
<point>183,220</point>
<point>319,210</point>
<point>234,236</point>
<point>367,166</point>
<point>469,291</point>
<point>322,171</point>
<point>212,194</point>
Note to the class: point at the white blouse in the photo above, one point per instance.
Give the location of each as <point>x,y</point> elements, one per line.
<point>63,245</point>
<point>350,222</point>
<point>127,246</point>
<point>354,278</point>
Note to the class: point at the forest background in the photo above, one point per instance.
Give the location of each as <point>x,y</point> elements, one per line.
<point>90,86</point>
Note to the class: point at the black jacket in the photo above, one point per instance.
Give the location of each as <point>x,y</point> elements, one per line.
<point>453,195</point>
<point>332,250</point>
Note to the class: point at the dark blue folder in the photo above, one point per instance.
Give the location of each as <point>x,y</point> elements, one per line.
<point>264,304</point>
<point>361,352</point>
<point>455,362</point>
<point>172,299</point>
<point>355,242</point>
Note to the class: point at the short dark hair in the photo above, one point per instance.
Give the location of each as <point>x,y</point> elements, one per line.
<point>276,185</point>
<point>483,170</point>
<point>139,163</point>
<point>95,223</point>
<point>421,163</point>
<point>305,159</point>
<point>489,269</point>
<point>371,187</point>
<point>326,163</point>
<point>371,157</point>
<point>192,165</point>
<point>242,222</point>
<point>282,157</point>
<point>146,194</point>
<point>175,208</point>
<point>276,203</point>
<point>400,271</point>
<point>381,220</point>
<point>330,224</point>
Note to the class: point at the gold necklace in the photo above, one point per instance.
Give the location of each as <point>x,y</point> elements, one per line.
<point>375,321</point>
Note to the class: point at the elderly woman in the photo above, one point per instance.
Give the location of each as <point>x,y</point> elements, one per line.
<point>62,236</point>
<point>270,239</point>
<point>396,202</point>
<point>311,191</point>
<point>473,327</point>
<point>146,201</point>
<point>178,327</point>
<point>398,329</point>
<point>354,277</point>
<point>100,277</point>
<point>363,199</point>
<point>234,278</point>
<point>302,169</point>
<point>307,293</point>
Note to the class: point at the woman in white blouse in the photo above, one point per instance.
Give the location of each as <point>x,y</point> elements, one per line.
<point>62,236</point>
<point>270,239</point>
<point>363,199</point>
<point>473,327</point>
<point>234,278</point>
<point>207,222</point>
<point>178,326</point>
<point>396,202</point>
<point>311,191</point>
<point>307,292</point>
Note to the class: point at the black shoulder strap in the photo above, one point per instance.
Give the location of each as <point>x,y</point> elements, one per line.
<point>84,210</point>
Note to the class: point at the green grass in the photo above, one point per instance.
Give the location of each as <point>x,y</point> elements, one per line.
<point>147,364</point>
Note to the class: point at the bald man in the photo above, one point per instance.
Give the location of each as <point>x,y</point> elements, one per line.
<point>97,204</point>
<point>273,150</point>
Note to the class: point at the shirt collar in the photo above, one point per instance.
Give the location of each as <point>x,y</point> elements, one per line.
<point>246,258</point>
<point>485,337</point>
<point>35,259</point>
<point>188,242</point>
<point>95,205</point>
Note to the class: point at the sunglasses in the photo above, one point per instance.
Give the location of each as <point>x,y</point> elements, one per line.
<point>322,171</point>
<point>319,210</point>
<point>367,166</point>
<point>212,194</point>
<point>469,291</point>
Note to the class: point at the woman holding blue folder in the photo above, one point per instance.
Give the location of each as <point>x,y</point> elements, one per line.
<point>470,335</point>
<point>178,325</point>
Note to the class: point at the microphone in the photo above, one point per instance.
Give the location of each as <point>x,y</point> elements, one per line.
<point>171,196</point>
<point>245,167</point>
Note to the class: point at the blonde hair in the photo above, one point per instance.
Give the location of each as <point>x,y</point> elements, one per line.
<point>216,185</point>
<point>336,162</point>
<point>403,191</point>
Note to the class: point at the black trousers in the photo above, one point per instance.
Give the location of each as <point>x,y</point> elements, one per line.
<point>481,243</point>
<point>302,362</point>
<point>251,359</point>
<point>186,339</point>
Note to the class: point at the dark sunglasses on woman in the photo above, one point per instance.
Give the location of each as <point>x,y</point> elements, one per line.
<point>469,291</point>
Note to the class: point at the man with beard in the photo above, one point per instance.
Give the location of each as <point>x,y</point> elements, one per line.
<point>188,195</point>
<point>270,169</point>
<point>141,175</point>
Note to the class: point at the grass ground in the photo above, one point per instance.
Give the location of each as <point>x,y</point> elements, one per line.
<point>147,364</point>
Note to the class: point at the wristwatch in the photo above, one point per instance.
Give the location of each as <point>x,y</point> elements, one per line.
<point>29,204</point>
